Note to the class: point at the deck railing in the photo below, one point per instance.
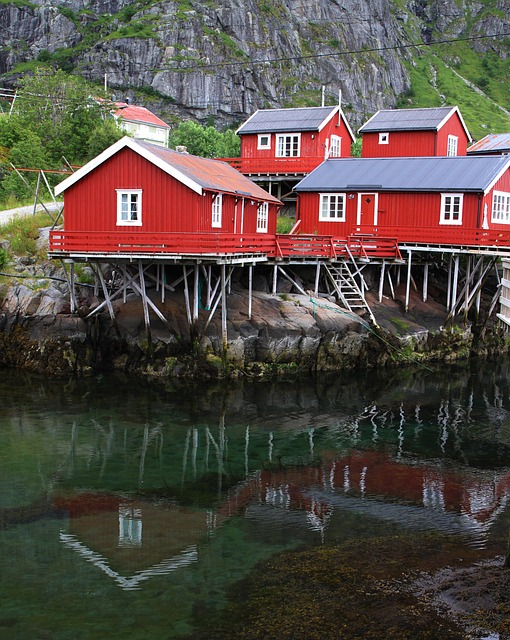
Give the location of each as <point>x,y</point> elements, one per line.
<point>446,235</point>
<point>222,244</point>
<point>274,166</point>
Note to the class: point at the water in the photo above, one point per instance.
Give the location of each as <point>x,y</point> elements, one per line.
<point>137,509</point>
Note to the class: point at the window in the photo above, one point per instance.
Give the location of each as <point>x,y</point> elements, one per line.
<point>332,207</point>
<point>451,208</point>
<point>264,141</point>
<point>501,207</point>
<point>384,138</point>
<point>262,217</point>
<point>452,146</point>
<point>217,208</point>
<point>129,207</point>
<point>335,148</point>
<point>287,146</point>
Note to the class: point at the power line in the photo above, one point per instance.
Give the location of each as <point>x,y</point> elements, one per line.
<point>331,54</point>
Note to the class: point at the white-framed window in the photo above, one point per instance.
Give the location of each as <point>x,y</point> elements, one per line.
<point>384,138</point>
<point>335,147</point>
<point>453,142</point>
<point>217,209</point>
<point>501,207</point>
<point>332,207</point>
<point>451,208</point>
<point>288,145</point>
<point>129,207</point>
<point>262,217</point>
<point>264,141</point>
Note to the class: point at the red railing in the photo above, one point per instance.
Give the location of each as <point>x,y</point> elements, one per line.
<point>445,235</point>
<point>222,244</point>
<point>252,166</point>
<point>161,243</point>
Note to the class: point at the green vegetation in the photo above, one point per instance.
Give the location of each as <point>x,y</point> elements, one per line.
<point>284,224</point>
<point>207,142</point>
<point>54,117</point>
<point>22,233</point>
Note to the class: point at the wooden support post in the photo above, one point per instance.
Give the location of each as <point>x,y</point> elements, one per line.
<point>196,292</point>
<point>124,283</point>
<point>250,290</point>
<point>186,295</point>
<point>300,289</point>
<point>425,282</point>
<point>209,287</point>
<point>36,193</point>
<point>466,288</point>
<point>50,190</point>
<point>381,280</point>
<point>408,283</point>
<point>70,283</point>
<point>163,283</point>
<point>390,282</point>
<point>275,278</point>
<point>449,289</point>
<point>157,277</point>
<point>455,282</point>
<point>223,307</point>
<point>143,293</point>
<point>317,279</point>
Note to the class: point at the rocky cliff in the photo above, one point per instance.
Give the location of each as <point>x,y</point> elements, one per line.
<point>223,59</point>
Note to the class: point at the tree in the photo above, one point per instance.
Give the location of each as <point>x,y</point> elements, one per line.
<point>206,142</point>
<point>63,111</point>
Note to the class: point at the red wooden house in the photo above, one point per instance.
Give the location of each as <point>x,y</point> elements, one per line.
<point>495,143</point>
<point>439,200</point>
<point>138,198</point>
<point>282,141</point>
<point>415,132</point>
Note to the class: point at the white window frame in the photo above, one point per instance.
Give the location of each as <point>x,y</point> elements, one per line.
<point>264,141</point>
<point>500,207</point>
<point>335,147</point>
<point>447,205</point>
<point>332,203</point>
<point>262,217</point>
<point>125,222</point>
<point>294,145</point>
<point>217,211</point>
<point>453,145</point>
<point>384,137</point>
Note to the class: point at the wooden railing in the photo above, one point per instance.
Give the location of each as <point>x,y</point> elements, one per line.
<point>253,166</point>
<point>445,235</point>
<point>222,244</point>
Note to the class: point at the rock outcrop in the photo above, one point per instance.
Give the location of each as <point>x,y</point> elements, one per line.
<point>224,59</point>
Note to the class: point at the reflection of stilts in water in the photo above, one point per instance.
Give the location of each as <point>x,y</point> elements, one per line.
<point>442,421</point>
<point>401,431</point>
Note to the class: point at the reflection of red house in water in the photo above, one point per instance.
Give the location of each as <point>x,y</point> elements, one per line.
<point>133,540</point>
<point>475,497</point>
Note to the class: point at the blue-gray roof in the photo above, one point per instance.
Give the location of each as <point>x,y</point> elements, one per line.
<point>407,119</point>
<point>287,120</point>
<point>460,173</point>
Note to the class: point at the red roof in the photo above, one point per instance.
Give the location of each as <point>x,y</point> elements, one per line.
<point>138,114</point>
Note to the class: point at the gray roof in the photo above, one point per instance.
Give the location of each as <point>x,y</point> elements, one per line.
<point>407,119</point>
<point>493,143</point>
<point>280,120</point>
<point>460,173</point>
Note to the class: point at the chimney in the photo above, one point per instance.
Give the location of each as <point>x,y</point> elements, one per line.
<point>180,148</point>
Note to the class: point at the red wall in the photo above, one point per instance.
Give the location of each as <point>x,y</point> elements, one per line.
<point>312,143</point>
<point>416,143</point>
<point>167,204</point>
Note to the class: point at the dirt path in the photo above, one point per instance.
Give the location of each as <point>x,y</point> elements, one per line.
<point>8,214</point>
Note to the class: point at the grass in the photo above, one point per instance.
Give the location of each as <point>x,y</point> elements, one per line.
<point>284,224</point>
<point>22,233</point>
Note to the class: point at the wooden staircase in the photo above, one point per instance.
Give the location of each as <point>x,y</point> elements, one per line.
<point>350,294</point>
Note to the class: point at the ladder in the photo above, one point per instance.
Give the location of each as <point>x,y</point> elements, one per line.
<point>347,289</point>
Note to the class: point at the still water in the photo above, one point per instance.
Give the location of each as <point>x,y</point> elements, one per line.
<point>133,509</point>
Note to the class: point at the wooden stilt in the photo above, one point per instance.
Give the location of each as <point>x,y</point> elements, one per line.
<point>381,280</point>
<point>163,283</point>
<point>70,283</point>
<point>408,283</point>
<point>425,281</point>
<point>124,283</point>
<point>466,288</point>
<point>223,307</point>
<point>150,304</point>
<point>143,293</point>
<point>390,282</point>
<point>449,289</point>
<point>317,279</point>
<point>36,193</point>
<point>455,281</point>
<point>250,290</point>
<point>186,296</point>
<point>196,293</point>
<point>285,275</point>
<point>275,278</point>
